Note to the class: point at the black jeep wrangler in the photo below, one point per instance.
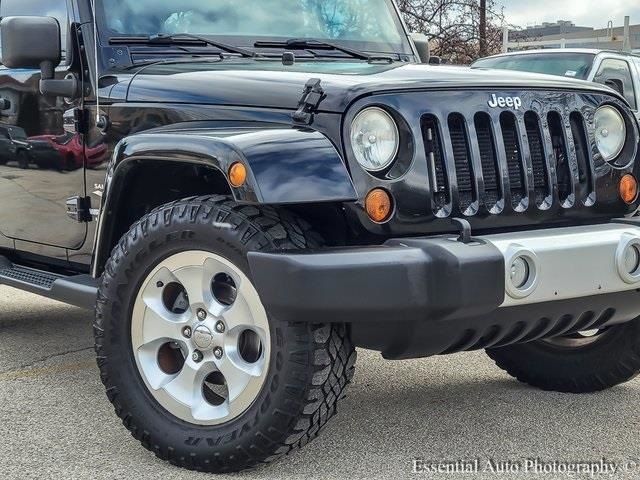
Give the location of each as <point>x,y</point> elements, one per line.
<point>285,181</point>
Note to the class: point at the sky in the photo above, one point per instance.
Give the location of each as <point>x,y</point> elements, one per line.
<point>589,13</point>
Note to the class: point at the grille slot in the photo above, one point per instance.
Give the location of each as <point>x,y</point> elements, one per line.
<point>538,159</point>
<point>585,174</point>
<point>489,160</point>
<point>462,158</point>
<point>561,156</point>
<point>510,136</point>
<point>437,169</point>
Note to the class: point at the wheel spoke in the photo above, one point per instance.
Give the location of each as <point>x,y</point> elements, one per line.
<point>204,411</point>
<point>161,327</point>
<point>186,386</point>
<point>238,315</point>
<point>148,360</point>
<point>236,375</point>
<point>213,267</point>
<point>152,293</point>
<point>192,279</point>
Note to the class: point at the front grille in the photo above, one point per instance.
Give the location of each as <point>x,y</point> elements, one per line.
<point>524,160</point>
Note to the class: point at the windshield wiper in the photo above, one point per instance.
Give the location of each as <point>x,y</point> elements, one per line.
<point>181,38</point>
<point>308,43</point>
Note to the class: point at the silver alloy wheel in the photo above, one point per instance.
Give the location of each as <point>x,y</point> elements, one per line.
<point>200,337</point>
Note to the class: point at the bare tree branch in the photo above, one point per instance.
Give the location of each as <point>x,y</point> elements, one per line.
<point>459,31</point>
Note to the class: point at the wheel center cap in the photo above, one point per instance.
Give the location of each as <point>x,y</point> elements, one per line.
<point>202,337</point>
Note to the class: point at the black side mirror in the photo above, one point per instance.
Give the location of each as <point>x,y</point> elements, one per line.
<point>422,46</point>
<point>616,84</point>
<point>31,42</point>
<point>34,42</point>
<point>433,60</point>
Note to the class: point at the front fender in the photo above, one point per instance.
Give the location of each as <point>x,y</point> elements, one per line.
<point>286,166</point>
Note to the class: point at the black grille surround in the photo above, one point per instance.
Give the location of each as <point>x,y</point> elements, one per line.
<point>500,167</point>
<point>527,158</point>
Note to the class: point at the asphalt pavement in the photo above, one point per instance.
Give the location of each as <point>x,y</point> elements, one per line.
<point>55,421</point>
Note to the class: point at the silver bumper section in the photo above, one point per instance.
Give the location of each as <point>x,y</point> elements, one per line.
<point>565,263</point>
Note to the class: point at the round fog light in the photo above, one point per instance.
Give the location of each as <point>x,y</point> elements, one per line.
<point>520,272</point>
<point>632,259</point>
<point>628,258</point>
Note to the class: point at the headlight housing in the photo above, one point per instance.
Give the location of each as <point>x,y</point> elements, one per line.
<point>611,132</point>
<point>375,139</point>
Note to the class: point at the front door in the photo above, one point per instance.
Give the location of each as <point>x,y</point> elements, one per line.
<point>41,165</point>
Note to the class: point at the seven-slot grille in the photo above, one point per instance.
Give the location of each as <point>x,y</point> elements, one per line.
<point>508,160</point>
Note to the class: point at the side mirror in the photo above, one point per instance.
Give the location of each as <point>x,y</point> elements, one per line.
<point>35,42</point>
<point>616,84</point>
<point>422,46</point>
<point>433,60</point>
<point>31,42</point>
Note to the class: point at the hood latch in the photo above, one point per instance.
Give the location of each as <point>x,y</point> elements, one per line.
<point>310,101</point>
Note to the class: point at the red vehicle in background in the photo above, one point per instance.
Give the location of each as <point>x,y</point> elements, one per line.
<point>71,151</point>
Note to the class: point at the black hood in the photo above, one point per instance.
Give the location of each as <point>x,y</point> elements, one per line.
<point>269,84</point>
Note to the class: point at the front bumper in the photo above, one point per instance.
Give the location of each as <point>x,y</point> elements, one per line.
<point>424,296</point>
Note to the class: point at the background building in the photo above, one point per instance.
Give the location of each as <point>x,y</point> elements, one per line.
<point>561,27</point>
<point>563,34</point>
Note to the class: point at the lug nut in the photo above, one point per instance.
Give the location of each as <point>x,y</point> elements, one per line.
<point>159,284</point>
<point>220,327</point>
<point>202,315</point>
<point>218,352</point>
<point>186,331</point>
<point>197,356</point>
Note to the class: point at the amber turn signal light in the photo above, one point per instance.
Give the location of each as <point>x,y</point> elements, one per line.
<point>379,205</point>
<point>237,175</point>
<point>628,189</point>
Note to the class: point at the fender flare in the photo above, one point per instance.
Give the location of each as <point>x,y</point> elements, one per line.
<point>285,166</point>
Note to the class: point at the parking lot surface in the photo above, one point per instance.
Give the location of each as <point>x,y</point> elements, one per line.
<point>55,421</point>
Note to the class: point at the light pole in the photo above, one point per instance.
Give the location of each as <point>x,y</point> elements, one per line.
<point>483,28</point>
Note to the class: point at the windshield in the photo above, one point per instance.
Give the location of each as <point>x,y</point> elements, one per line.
<point>574,65</point>
<point>371,25</point>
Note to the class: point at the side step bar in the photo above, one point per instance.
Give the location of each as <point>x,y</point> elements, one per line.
<point>78,290</point>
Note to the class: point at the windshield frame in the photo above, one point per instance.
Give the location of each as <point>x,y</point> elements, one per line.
<point>536,54</point>
<point>405,48</point>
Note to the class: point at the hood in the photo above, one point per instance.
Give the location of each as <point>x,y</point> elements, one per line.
<point>269,84</point>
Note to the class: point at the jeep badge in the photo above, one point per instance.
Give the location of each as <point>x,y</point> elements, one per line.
<point>504,102</point>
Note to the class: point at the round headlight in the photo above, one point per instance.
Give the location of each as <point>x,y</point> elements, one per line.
<point>611,132</point>
<point>375,139</point>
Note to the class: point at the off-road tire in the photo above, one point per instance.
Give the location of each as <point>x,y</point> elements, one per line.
<point>311,364</point>
<point>612,359</point>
